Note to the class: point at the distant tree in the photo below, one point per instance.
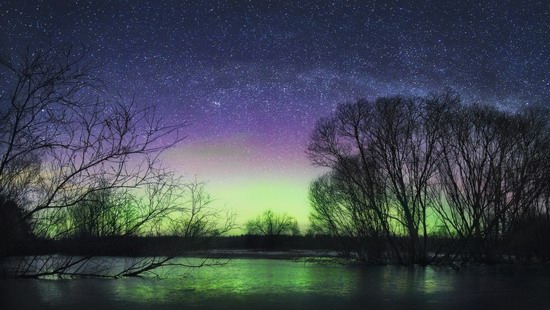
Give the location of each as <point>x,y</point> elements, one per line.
<point>195,217</point>
<point>182,209</point>
<point>100,214</point>
<point>271,224</point>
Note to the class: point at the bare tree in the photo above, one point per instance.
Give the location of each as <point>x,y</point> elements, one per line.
<point>271,224</point>
<point>62,138</point>
<point>185,210</point>
<point>404,168</point>
<point>195,217</point>
<point>341,212</point>
<point>188,214</point>
<point>388,150</point>
<point>341,142</point>
<point>167,207</point>
<point>493,173</point>
<point>78,162</point>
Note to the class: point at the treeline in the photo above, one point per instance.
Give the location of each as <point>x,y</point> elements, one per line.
<point>142,246</point>
<point>407,169</point>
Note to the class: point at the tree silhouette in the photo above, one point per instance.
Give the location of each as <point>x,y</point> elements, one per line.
<point>268,228</point>
<point>271,224</point>
<point>77,161</point>
<point>493,174</point>
<point>402,168</point>
<point>385,154</point>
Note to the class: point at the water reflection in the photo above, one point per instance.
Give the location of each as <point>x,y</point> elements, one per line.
<point>246,277</point>
<point>276,284</point>
<point>416,280</point>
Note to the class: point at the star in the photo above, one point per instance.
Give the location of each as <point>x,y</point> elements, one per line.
<point>252,78</point>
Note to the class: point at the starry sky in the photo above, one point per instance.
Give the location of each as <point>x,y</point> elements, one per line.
<point>252,77</point>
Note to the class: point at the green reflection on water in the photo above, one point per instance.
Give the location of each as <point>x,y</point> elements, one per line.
<point>281,284</point>
<point>242,277</point>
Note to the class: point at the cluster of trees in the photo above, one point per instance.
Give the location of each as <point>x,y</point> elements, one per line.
<point>269,230</point>
<point>407,172</point>
<point>270,223</point>
<point>76,162</point>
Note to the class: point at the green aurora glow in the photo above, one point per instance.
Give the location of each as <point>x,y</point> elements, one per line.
<point>248,179</point>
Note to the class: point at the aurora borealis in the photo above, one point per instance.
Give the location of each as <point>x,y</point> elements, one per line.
<point>252,77</point>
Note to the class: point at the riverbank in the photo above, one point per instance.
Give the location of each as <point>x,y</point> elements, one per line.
<point>244,246</point>
<point>264,254</point>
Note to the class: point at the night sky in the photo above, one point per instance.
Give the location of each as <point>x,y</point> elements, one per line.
<point>252,77</point>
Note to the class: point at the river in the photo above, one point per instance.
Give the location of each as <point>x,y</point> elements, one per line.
<point>287,284</point>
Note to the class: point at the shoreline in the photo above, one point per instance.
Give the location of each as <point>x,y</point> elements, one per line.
<point>268,254</point>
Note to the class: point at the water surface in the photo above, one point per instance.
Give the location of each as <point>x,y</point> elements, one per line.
<point>285,284</point>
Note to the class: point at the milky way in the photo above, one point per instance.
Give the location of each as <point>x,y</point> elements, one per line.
<point>252,77</point>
